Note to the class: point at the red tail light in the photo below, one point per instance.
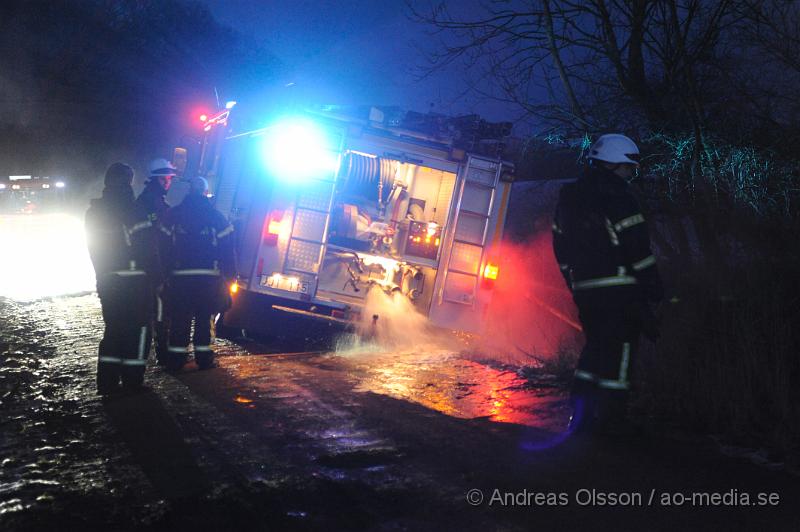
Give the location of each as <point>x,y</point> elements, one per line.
<point>272,228</point>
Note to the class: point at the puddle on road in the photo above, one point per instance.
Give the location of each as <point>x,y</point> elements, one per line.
<point>450,384</point>
<point>402,356</point>
<point>55,442</point>
<point>434,376</point>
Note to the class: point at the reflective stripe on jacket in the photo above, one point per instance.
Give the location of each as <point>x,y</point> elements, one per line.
<point>600,237</point>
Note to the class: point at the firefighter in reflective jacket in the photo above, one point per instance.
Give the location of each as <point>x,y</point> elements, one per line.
<point>152,201</point>
<point>126,267</point>
<point>201,265</point>
<point>602,245</point>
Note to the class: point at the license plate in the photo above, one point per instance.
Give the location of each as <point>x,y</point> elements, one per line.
<point>283,282</point>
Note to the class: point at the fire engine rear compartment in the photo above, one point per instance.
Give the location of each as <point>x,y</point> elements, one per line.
<point>394,215</point>
<point>387,222</point>
<point>381,229</point>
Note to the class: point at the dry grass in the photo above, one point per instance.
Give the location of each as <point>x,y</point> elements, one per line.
<point>730,365</point>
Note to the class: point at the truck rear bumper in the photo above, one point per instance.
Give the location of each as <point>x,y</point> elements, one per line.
<point>264,315</point>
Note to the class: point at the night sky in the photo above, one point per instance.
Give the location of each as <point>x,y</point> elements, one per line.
<point>359,52</point>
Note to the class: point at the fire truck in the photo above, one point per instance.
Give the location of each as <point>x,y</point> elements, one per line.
<point>328,207</point>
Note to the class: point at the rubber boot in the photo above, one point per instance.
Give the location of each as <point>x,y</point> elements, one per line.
<point>107,378</point>
<point>175,362</point>
<point>132,379</point>
<point>205,360</point>
<point>584,410</point>
<point>612,415</point>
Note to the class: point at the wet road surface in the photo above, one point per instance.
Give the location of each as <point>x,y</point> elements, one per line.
<point>357,439</point>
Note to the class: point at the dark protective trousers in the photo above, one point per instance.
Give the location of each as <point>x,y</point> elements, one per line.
<point>192,298</point>
<point>602,380</point>
<point>126,339</point>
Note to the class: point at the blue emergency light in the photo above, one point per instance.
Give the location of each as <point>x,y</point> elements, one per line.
<point>298,149</point>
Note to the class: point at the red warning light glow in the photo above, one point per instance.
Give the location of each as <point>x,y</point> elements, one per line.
<point>273,224</point>
<point>274,227</point>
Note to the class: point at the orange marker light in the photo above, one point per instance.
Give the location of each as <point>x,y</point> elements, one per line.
<point>203,117</point>
<point>490,271</point>
<point>234,287</point>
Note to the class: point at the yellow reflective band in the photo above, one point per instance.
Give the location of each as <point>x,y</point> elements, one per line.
<point>630,221</point>
<point>611,234</point>
<point>142,337</point>
<point>564,266</point>
<point>225,232</point>
<point>612,384</point>
<point>110,360</point>
<point>644,263</point>
<point>133,362</point>
<point>623,363</point>
<point>140,226</point>
<point>203,348</point>
<point>166,231</point>
<point>172,349</point>
<point>584,375</point>
<point>126,273</point>
<point>600,282</point>
<point>197,271</point>
<point>557,229</point>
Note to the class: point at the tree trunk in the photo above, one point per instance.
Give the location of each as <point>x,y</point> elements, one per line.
<point>562,71</point>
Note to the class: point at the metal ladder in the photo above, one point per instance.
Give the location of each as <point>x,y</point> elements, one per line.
<point>309,227</point>
<point>466,255</point>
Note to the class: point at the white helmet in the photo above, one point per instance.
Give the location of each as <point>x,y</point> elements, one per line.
<point>614,148</point>
<point>162,167</point>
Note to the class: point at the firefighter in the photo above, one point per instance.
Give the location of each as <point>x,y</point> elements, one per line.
<point>201,266</point>
<point>602,246</point>
<point>152,201</point>
<point>126,268</point>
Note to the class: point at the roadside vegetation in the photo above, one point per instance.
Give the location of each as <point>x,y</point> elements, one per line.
<point>708,90</point>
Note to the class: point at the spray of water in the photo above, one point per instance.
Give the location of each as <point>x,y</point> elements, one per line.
<point>531,316</point>
<point>391,322</point>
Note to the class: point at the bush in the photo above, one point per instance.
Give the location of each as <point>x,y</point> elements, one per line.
<point>730,365</point>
